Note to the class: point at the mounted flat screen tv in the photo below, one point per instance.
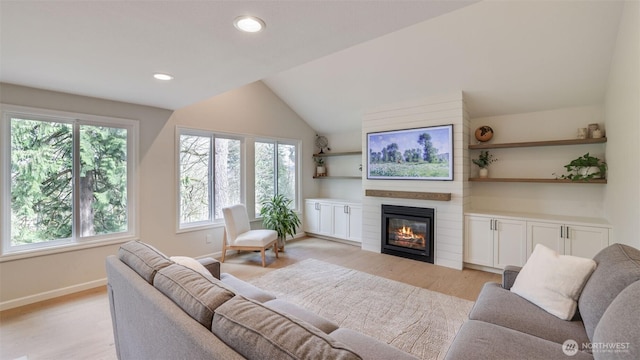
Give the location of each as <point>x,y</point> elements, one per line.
<point>411,154</point>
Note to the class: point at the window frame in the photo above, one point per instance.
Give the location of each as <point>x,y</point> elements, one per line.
<point>212,135</point>
<point>7,112</point>
<point>276,142</point>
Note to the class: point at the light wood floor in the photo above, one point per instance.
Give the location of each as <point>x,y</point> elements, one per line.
<point>78,326</point>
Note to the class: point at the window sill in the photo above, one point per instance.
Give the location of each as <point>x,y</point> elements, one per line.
<point>25,254</point>
<point>188,229</point>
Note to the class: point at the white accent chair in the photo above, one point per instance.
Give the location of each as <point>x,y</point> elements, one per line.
<point>239,236</point>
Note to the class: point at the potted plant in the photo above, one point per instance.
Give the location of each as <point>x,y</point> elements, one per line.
<point>320,169</point>
<point>483,161</point>
<point>277,215</point>
<point>585,168</point>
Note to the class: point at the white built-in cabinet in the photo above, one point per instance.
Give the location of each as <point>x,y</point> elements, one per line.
<point>335,218</point>
<point>567,239</point>
<point>494,241</point>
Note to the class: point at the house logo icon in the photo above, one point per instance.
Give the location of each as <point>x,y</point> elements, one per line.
<point>570,347</point>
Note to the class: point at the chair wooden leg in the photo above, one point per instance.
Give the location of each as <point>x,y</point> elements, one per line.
<point>275,248</point>
<point>263,259</point>
<point>224,246</point>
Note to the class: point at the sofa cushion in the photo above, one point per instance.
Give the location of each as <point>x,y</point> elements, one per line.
<point>245,289</point>
<point>618,267</point>
<point>194,293</point>
<point>368,347</point>
<point>143,259</point>
<point>325,325</point>
<point>192,264</point>
<point>617,335</point>
<point>552,281</point>
<point>502,307</point>
<point>259,332</point>
<point>479,340</point>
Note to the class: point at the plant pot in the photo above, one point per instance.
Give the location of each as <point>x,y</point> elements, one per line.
<point>586,171</point>
<point>321,171</point>
<point>484,172</point>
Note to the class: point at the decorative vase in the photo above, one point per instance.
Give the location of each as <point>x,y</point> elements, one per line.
<point>484,172</point>
<point>484,133</point>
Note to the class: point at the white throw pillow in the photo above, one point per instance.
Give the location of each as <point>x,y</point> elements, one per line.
<point>192,264</point>
<point>553,282</point>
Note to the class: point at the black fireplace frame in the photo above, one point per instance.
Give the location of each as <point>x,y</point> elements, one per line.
<point>414,214</point>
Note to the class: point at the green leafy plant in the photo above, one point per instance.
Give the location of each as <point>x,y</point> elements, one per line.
<point>319,161</point>
<point>484,159</point>
<point>580,168</point>
<point>277,215</point>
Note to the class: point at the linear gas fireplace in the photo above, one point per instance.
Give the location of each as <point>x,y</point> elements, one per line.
<point>408,232</point>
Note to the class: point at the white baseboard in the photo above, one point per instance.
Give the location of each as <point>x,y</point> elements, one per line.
<point>10,304</point>
<point>483,268</point>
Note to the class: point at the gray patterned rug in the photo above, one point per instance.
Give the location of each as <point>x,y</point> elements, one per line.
<point>415,320</point>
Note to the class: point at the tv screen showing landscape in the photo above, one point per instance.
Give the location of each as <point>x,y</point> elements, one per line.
<point>411,154</point>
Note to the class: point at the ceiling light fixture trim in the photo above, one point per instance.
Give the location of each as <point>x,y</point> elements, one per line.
<point>250,24</point>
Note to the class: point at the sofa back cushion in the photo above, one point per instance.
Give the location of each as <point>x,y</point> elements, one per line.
<point>617,335</point>
<point>143,259</point>
<point>193,292</point>
<point>618,267</point>
<point>259,332</point>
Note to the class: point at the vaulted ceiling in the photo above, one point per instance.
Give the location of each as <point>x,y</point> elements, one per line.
<point>329,60</point>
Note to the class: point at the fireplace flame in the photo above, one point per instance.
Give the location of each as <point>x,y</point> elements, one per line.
<point>406,233</point>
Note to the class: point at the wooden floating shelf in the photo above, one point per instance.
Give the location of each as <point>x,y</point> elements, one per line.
<point>417,195</point>
<point>549,181</point>
<point>338,177</point>
<point>338,154</point>
<point>538,143</point>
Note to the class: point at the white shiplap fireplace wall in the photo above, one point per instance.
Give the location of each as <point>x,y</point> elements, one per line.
<point>432,111</point>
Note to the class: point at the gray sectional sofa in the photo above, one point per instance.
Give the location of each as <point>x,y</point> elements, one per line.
<point>502,325</point>
<point>161,309</point>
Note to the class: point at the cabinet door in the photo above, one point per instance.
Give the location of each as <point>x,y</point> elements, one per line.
<point>355,223</point>
<point>509,242</point>
<point>547,234</point>
<point>311,217</point>
<point>585,241</point>
<point>478,240</point>
<point>326,219</point>
<point>340,221</point>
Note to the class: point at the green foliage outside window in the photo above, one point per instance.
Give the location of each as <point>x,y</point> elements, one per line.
<point>42,180</point>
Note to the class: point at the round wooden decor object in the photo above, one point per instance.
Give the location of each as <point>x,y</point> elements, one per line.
<point>484,133</point>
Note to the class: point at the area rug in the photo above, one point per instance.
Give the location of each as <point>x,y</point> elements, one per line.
<point>415,320</point>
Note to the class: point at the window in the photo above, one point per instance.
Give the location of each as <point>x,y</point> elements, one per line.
<point>275,171</point>
<point>66,180</point>
<point>210,176</point>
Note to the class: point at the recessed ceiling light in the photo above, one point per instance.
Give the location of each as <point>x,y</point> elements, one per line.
<point>164,77</point>
<point>249,24</point>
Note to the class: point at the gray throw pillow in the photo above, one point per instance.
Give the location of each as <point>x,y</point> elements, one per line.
<point>194,293</point>
<point>259,332</point>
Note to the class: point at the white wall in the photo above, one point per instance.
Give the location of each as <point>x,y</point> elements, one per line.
<point>252,109</point>
<point>622,195</point>
<point>583,200</point>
